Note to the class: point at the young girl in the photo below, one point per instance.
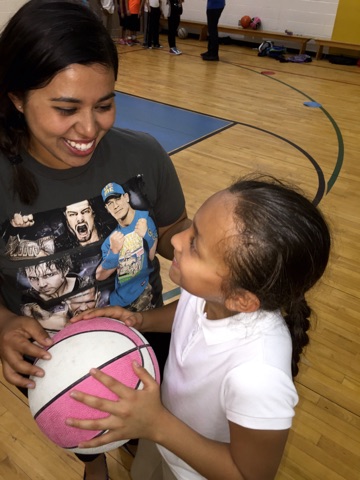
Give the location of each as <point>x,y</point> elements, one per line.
<point>174,13</point>
<point>123,13</point>
<point>135,8</point>
<point>227,397</point>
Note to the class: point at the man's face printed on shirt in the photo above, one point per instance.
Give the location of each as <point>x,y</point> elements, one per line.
<point>81,220</point>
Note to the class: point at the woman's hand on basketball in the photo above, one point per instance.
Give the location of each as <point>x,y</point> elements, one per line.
<point>131,319</point>
<point>15,342</point>
<point>134,415</point>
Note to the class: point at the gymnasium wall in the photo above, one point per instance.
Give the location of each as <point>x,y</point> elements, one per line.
<point>7,9</point>
<point>306,17</point>
<point>337,19</point>
<point>302,17</point>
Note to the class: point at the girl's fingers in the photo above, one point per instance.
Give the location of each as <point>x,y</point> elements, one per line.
<point>94,424</point>
<point>118,388</point>
<point>111,383</point>
<point>99,441</point>
<point>95,402</point>
<point>147,379</point>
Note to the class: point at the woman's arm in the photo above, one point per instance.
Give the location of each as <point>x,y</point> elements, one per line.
<point>16,333</point>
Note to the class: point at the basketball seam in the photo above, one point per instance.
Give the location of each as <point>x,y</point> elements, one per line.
<point>100,330</point>
<point>79,380</point>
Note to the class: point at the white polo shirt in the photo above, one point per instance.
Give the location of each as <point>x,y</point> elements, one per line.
<point>235,369</point>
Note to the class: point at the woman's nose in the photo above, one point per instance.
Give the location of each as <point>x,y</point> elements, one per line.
<point>86,126</point>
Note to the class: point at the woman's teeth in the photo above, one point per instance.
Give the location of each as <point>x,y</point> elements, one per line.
<point>80,146</point>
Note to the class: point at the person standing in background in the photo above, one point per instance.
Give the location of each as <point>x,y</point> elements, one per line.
<point>123,21</point>
<point>145,23</point>
<point>154,12</point>
<point>174,14</point>
<point>214,10</point>
<point>104,9</point>
<point>135,8</point>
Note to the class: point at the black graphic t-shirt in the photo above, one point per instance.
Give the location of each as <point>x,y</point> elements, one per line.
<point>50,251</point>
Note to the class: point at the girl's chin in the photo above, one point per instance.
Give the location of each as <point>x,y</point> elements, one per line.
<point>174,275</point>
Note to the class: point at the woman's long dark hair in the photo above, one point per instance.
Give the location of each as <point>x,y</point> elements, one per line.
<point>40,40</point>
<point>281,251</point>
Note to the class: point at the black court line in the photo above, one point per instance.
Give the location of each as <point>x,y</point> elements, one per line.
<point>321,190</point>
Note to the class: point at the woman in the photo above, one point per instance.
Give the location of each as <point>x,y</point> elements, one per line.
<point>57,152</point>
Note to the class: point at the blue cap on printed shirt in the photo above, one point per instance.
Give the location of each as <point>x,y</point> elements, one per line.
<point>112,190</point>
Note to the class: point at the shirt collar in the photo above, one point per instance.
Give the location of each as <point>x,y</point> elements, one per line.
<point>240,326</point>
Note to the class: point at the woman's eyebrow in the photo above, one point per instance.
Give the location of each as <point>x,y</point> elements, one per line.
<point>76,100</point>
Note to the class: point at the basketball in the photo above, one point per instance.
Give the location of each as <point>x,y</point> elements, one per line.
<point>102,343</point>
<point>245,21</point>
<point>255,23</point>
<point>182,32</point>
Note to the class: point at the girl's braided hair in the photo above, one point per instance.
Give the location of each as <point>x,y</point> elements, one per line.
<point>281,251</point>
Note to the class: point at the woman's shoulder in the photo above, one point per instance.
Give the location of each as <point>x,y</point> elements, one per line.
<point>125,134</point>
<point>131,138</point>
<point>133,144</point>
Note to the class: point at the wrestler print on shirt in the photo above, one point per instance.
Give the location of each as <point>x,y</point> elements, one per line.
<point>49,259</point>
<point>130,248</point>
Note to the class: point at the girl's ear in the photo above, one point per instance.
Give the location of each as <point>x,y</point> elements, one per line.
<point>243,301</point>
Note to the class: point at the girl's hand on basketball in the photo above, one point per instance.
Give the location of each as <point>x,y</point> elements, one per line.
<point>15,343</point>
<point>131,319</point>
<point>135,415</point>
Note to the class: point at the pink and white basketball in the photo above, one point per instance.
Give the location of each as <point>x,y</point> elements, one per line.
<point>102,343</point>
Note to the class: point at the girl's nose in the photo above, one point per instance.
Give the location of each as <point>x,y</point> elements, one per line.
<point>177,240</point>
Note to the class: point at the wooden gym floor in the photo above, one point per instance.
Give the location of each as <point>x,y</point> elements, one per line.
<point>271,131</point>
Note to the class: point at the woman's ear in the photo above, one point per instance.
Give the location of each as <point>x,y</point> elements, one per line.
<point>17,101</point>
<point>243,301</point>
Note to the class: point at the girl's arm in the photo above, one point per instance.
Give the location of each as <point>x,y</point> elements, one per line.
<point>251,454</point>
<point>155,320</point>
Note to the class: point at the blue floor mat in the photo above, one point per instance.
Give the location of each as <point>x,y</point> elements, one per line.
<point>173,127</point>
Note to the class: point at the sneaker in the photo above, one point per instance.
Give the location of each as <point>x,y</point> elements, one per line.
<point>175,51</point>
<point>204,53</point>
<point>157,46</point>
